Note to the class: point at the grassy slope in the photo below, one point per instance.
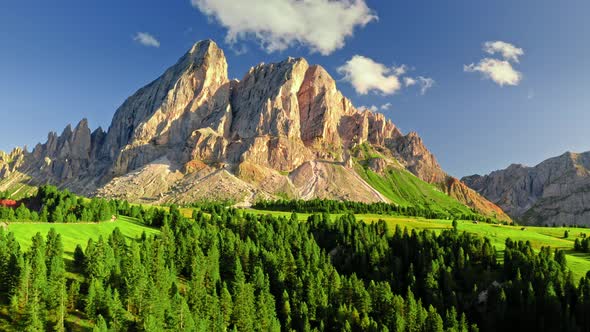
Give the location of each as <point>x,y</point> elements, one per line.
<point>539,237</point>
<point>404,188</point>
<point>73,234</point>
<point>16,185</point>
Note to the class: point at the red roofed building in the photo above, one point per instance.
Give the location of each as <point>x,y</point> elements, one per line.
<point>8,203</point>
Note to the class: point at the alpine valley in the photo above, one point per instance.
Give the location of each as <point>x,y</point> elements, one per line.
<point>283,131</point>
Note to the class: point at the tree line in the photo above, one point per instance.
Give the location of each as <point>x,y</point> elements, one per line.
<point>332,206</point>
<point>52,205</point>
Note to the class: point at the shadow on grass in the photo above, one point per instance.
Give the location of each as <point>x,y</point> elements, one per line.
<point>135,221</point>
<point>583,255</point>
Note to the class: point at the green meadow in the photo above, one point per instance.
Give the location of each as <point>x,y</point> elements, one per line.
<point>78,233</point>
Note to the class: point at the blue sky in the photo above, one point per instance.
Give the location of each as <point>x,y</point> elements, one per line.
<point>66,60</point>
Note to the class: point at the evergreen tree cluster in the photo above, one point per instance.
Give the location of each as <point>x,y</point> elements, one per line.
<point>529,291</point>
<point>33,283</point>
<point>227,269</point>
<point>332,206</point>
<point>224,271</point>
<point>53,205</point>
<point>582,245</point>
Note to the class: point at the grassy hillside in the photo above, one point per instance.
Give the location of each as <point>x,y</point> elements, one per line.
<point>539,237</point>
<point>17,186</point>
<point>404,188</point>
<point>78,233</point>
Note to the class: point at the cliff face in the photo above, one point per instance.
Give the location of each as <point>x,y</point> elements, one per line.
<point>284,129</point>
<point>159,118</point>
<point>555,191</point>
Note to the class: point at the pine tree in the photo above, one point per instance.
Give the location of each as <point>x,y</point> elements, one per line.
<point>56,293</point>
<point>434,322</point>
<point>101,325</point>
<point>226,306</point>
<point>73,295</point>
<point>57,215</point>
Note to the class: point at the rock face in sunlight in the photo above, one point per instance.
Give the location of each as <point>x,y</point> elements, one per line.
<point>555,191</point>
<point>284,129</point>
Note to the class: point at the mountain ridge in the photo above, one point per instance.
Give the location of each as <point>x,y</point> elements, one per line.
<point>284,129</point>
<point>555,191</point>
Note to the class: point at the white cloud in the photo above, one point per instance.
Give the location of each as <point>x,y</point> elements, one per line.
<point>146,39</point>
<point>425,83</point>
<point>399,71</point>
<point>321,25</point>
<point>371,108</point>
<point>366,75</point>
<point>375,108</point>
<point>385,106</point>
<point>499,71</point>
<point>508,51</point>
<point>409,81</point>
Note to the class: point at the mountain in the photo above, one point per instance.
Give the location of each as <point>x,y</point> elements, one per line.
<point>284,130</point>
<point>556,191</point>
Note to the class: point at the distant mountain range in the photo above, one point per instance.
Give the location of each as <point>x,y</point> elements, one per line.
<point>556,191</point>
<point>284,131</point>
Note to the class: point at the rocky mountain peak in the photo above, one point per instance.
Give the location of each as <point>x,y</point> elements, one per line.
<point>168,110</point>
<point>285,128</point>
<point>516,166</point>
<point>419,160</point>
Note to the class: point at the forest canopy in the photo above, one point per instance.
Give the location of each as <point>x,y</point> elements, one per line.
<point>227,269</point>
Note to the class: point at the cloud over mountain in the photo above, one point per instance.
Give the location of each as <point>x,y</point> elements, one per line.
<point>366,75</point>
<point>320,25</point>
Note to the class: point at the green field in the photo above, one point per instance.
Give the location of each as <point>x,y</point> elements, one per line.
<point>77,233</point>
<point>539,237</point>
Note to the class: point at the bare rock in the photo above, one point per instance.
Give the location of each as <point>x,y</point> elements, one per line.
<point>554,191</point>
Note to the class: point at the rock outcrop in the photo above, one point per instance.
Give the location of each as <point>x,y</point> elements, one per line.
<point>9,162</point>
<point>284,129</point>
<point>417,158</point>
<point>556,191</point>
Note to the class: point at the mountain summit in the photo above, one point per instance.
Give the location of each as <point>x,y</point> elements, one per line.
<point>284,130</point>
